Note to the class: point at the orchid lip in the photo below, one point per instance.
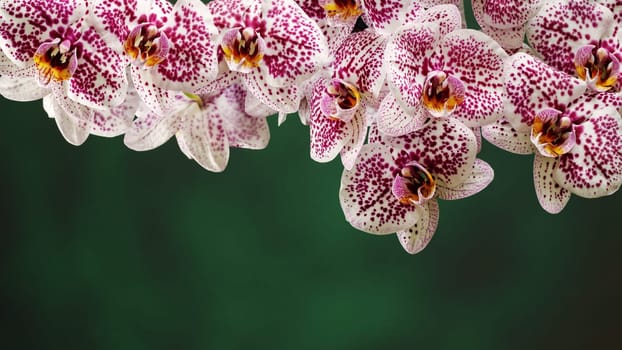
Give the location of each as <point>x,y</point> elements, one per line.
<point>598,67</point>
<point>414,184</point>
<point>147,45</point>
<point>340,100</point>
<point>553,133</point>
<point>55,60</point>
<point>442,93</point>
<point>243,49</point>
<point>341,11</point>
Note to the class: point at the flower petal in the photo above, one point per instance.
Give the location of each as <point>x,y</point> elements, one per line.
<point>504,136</point>
<point>281,99</point>
<point>446,17</point>
<point>479,179</point>
<point>417,237</point>
<point>593,168</point>
<point>352,148</point>
<point>116,120</point>
<point>359,61</point>
<point>551,196</point>
<point>393,120</point>
<point>21,89</point>
<point>203,134</point>
<point>365,194</point>
<point>150,130</point>
<point>386,17</point>
<point>73,130</point>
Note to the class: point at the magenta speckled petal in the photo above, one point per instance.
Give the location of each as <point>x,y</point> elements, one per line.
<point>551,196</point>
<point>445,147</point>
<point>334,34</point>
<point>404,56</point>
<point>296,47</point>
<point>116,120</point>
<point>446,17</point>
<point>615,6</point>
<point>532,85</point>
<point>100,79</point>
<point>481,176</point>
<point>477,60</point>
<point>365,194</point>
<point>393,120</point>
<point>235,13</point>
<point>150,130</point>
<point>593,167</point>
<point>192,61</point>
<point>359,61</point>
<point>26,24</point>
<point>73,130</point>
<point>244,130</point>
<point>281,99</point>
<point>504,14</point>
<point>157,99</point>
<point>204,136</point>
<point>21,89</point>
<point>417,237</point>
<point>387,16</point>
<point>504,136</point>
<point>352,148</point>
<point>562,26</point>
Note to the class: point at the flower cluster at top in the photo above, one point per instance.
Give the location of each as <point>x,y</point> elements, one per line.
<point>400,90</point>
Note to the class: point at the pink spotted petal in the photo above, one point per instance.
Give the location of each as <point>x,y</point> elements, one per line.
<point>386,17</point>
<point>477,131</point>
<point>116,120</point>
<point>446,17</point>
<point>615,6</point>
<point>281,99</point>
<point>204,136</point>
<point>359,61</point>
<point>563,26</point>
<point>504,136</point>
<point>73,130</point>
<point>192,62</point>
<point>352,148</point>
<point>100,79</point>
<point>445,147</point>
<point>365,195</point>
<point>26,24</point>
<point>334,34</point>
<point>593,168</point>
<point>477,60</point>
<point>254,107</point>
<point>243,129</point>
<point>72,108</point>
<point>235,13</point>
<point>417,237</point>
<point>393,120</point>
<point>479,179</point>
<point>150,130</point>
<point>504,14</point>
<point>404,56</point>
<point>551,196</point>
<point>157,99</point>
<point>531,85</point>
<point>21,89</point>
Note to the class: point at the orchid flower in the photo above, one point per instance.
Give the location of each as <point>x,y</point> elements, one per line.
<point>336,18</point>
<point>435,69</point>
<point>396,181</point>
<point>271,46</point>
<point>169,47</point>
<point>576,138</point>
<point>339,105</point>
<point>581,38</point>
<point>205,126</point>
<point>505,20</point>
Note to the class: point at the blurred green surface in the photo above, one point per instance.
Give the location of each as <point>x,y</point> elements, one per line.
<point>106,248</point>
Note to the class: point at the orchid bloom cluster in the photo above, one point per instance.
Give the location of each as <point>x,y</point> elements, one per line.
<point>400,90</point>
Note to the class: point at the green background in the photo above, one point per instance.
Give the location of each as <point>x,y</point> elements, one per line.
<point>106,248</point>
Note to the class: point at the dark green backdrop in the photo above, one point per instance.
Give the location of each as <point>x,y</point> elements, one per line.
<point>105,248</point>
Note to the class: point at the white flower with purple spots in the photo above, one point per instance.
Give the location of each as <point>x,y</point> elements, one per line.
<point>435,69</point>
<point>395,183</point>
<point>576,138</point>
<point>205,126</point>
<point>581,38</point>
<point>272,46</point>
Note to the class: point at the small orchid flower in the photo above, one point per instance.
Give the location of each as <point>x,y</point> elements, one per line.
<point>64,52</point>
<point>505,20</point>
<point>339,105</point>
<point>437,70</point>
<point>581,38</point>
<point>168,47</point>
<point>395,183</point>
<point>576,138</point>
<point>205,126</point>
<point>272,46</point>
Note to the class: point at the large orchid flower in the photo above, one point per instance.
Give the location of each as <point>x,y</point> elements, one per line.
<point>581,38</point>
<point>62,51</point>
<point>576,138</point>
<point>505,20</point>
<point>395,183</point>
<point>205,126</point>
<point>169,48</point>
<point>271,46</point>
<point>339,106</point>
<point>435,69</point>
